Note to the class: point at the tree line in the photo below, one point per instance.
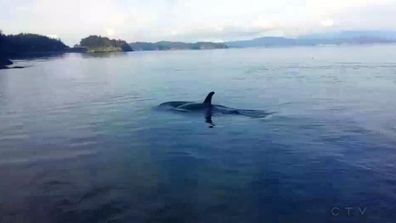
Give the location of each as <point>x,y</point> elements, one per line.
<point>26,44</point>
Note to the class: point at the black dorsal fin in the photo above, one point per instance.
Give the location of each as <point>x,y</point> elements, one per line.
<point>208,99</point>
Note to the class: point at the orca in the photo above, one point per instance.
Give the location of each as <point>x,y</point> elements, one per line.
<point>210,109</point>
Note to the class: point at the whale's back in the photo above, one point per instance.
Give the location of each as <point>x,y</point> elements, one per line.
<point>174,104</point>
<point>193,106</point>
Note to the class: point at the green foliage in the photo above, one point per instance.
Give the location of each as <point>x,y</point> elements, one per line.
<point>104,44</point>
<point>2,43</point>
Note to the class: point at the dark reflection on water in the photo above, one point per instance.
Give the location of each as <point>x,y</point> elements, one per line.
<point>104,55</point>
<point>81,142</point>
<point>208,117</point>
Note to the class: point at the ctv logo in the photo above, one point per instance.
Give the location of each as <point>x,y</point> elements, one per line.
<point>348,211</point>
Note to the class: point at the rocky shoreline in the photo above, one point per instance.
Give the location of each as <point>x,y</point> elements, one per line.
<point>4,63</point>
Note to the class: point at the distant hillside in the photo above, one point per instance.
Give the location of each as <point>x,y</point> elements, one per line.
<point>336,38</point>
<point>263,42</point>
<point>99,44</point>
<point>167,45</point>
<point>354,35</point>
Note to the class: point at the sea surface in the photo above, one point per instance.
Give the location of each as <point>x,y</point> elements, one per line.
<point>82,138</point>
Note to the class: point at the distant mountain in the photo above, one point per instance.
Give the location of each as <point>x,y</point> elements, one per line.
<point>167,45</point>
<point>353,35</point>
<point>335,38</point>
<point>263,42</point>
<point>99,44</point>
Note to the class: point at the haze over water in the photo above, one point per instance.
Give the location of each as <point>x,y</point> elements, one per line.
<point>81,139</point>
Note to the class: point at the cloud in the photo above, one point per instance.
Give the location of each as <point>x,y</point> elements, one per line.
<point>327,23</point>
<point>110,32</point>
<point>191,20</point>
<point>53,36</point>
<point>216,33</point>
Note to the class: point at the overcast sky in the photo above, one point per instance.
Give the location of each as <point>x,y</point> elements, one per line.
<point>192,20</point>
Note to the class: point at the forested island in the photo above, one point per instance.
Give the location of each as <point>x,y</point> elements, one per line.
<point>99,44</point>
<point>31,44</point>
<point>27,45</point>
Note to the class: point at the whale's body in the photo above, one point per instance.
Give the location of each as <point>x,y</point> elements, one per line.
<point>189,106</point>
<point>209,108</point>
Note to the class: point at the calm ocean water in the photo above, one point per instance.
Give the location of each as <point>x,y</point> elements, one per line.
<point>81,139</point>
